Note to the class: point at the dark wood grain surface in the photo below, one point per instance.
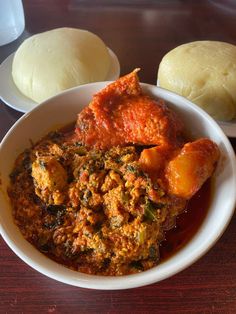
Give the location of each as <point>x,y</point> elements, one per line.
<point>140,33</point>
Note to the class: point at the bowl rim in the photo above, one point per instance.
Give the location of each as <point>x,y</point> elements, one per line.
<point>147,277</point>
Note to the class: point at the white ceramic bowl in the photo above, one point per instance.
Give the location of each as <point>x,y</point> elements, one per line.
<point>61,110</point>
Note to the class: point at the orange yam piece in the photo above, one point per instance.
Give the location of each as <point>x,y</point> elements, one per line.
<point>193,165</point>
<point>121,114</point>
<point>154,159</point>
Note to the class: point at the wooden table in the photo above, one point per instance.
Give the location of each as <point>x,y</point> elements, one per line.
<point>140,33</point>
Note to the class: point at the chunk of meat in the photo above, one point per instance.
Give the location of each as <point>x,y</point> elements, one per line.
<point>50,178</point>
<point>192,166</point>
<point>121,114</point>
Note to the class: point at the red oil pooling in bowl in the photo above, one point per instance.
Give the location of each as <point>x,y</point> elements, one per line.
<point>188,223</point>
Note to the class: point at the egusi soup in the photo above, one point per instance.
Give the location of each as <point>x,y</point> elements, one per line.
<point>101,197</point>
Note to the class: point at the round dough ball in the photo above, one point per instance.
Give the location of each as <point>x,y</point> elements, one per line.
<point>47,63</point>
<point>205,73</point>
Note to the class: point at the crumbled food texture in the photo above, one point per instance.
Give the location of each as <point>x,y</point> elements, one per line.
<point>94,211</point>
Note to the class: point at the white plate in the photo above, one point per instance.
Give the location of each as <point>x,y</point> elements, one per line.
<point>11,95</point>
<point>229,128</point>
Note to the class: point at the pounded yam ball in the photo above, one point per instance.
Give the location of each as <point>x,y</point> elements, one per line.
<point>205,73</point>
<point>48,63</point>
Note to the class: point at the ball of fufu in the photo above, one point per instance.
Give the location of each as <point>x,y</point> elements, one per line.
<point>205,73</point>
<point>50,62</point>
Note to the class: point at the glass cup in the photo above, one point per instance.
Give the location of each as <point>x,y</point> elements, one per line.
<point>12,20</point>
